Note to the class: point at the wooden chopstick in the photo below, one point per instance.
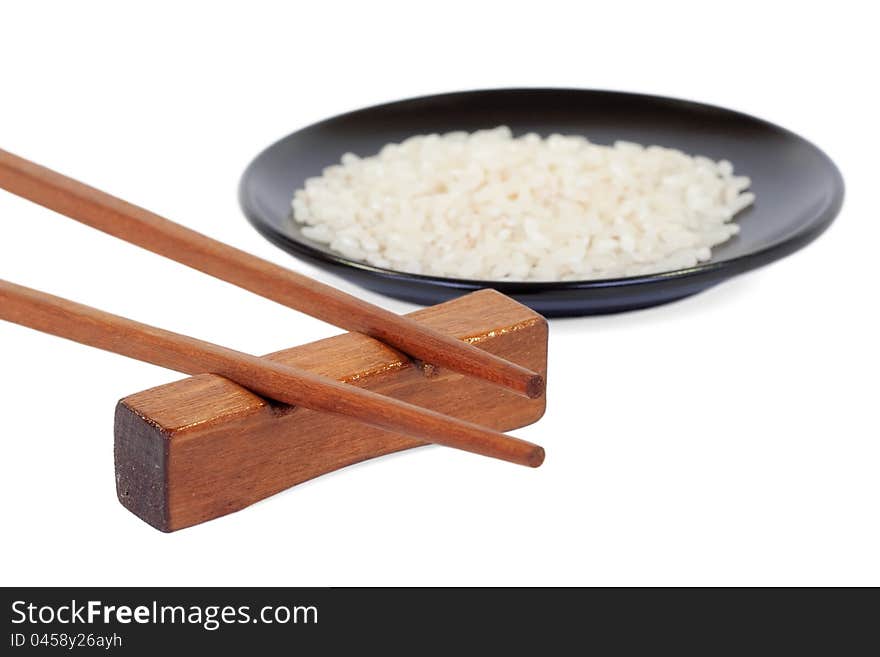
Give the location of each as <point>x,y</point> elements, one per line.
<point>290,385</point>
<point>159,235</point>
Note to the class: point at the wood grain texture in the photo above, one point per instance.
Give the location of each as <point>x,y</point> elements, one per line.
<point>279,381</point>
<point>148,230</point>
<point>200,448</point>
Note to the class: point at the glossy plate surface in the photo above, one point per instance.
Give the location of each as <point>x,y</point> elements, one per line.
<point>799,189</point>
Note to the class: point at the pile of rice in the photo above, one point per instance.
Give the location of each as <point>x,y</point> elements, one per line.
<point>492,207</point>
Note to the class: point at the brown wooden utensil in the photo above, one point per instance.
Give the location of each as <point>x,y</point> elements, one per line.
<point>284,383</point>
<point>159,235</point>
<point>198,448</point>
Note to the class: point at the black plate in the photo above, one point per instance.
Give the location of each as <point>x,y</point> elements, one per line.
<point>799,189</point>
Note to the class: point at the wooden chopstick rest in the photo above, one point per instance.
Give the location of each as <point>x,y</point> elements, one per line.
<point>199,448</point>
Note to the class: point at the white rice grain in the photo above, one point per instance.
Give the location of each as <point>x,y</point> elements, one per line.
<point>489,206</point>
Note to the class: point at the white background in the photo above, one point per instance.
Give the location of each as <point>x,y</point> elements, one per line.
<point>730,438</point>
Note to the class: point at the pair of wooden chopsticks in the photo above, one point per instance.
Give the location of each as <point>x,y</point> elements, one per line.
<point>291,385</point>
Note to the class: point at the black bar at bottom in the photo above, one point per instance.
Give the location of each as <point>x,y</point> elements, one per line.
<point>264,621</point>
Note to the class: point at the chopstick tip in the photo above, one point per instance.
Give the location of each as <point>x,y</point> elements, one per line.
<point>536,457</point>
<point>535,386</point>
